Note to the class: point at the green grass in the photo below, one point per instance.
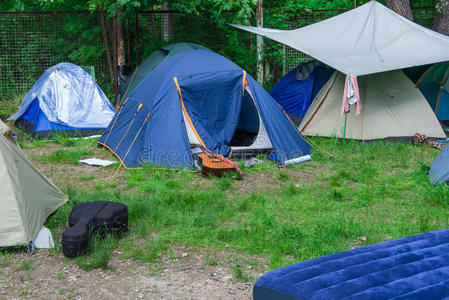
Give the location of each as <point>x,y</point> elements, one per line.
<point>65,156</point>
<point>23,264</point>
<point>371,193</point>
<point>10,106</point>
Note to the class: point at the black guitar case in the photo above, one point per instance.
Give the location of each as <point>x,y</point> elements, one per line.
<point>89,218</point>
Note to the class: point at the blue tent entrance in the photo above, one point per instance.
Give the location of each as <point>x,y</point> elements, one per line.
<point>433,83</point>
<point>296,95</point>
<point>64,99</point>
<point>199,98</point>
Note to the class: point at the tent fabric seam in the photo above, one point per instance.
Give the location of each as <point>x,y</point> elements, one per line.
<point>127,130</point>
<point>123,163</point>
<point>175,79</point>
<point>319,106</point>
<point>140,129</point>
<point>116,118</point>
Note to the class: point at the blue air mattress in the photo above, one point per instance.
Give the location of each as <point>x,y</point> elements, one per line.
<point>415,267</point>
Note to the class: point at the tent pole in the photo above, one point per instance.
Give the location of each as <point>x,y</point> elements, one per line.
<point>438,99</point>
<point>344,132</point>
<point>424,75</point>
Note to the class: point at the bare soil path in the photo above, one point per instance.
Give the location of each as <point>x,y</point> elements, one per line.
<point>186,275</point>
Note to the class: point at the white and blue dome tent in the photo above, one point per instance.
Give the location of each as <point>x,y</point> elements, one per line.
<point>64,99</point>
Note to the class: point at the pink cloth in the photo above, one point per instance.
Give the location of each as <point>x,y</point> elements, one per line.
<point>347,96</point>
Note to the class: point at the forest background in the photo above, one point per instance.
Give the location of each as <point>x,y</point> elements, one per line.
<point>111,37</point>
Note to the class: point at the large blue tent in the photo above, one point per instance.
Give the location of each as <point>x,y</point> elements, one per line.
<point>64,99</point>
<point>199,98</point>
<point>295,95</point>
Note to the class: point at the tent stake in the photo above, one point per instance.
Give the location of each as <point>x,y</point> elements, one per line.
<point>344,132</point>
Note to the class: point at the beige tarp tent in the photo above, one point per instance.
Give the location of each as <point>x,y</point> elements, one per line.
<point>370,39</point>
<point>27,197</point>
<point>392,108</point>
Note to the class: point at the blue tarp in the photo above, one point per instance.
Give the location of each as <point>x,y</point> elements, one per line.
<point>66,98</point>
<point>149,127</point>
<point>295,96</point>
<point>439,172</point>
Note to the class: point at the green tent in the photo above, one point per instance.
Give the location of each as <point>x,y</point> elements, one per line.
<point>434,85</point>
<point>151,62</point>
<point>27,197</point>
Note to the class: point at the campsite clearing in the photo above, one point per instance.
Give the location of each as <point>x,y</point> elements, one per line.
<point>273,217</point>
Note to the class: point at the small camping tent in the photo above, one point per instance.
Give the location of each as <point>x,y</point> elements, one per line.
<point>392,108</point>
<point>64,99</point>
<point>27,197</point>
<point>149,63</point>
<point>439,172</point>
<point>434,85</point>
<point>296,90</point>
<point>199,98</point>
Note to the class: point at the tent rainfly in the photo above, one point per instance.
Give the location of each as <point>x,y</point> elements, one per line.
<point>27,197</point>
<point>64,99</point>
<point>151,62</point>
<point>194,98</point>
<point>365,40</point>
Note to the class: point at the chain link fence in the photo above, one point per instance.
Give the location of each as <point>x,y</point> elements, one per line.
<point>32,42</point>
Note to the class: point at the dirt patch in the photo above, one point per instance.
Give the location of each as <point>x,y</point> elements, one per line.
<point>81,174</point>
<point>310,176</point>
<point>185,275</point>
<point>257,182</point>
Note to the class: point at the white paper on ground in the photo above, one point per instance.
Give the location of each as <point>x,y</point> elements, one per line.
<point>44,239</point>
<point>97,162</point>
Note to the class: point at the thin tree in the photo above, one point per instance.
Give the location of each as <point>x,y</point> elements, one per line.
<point>441,20</point>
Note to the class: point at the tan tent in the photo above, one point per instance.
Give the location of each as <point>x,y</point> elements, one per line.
<point>27,197</point>
<point>392,107</point>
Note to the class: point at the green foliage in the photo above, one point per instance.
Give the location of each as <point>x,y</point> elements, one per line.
<point>78,38</point>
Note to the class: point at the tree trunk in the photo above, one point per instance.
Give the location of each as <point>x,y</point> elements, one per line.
<point>114,54</point>
<point>441,20</point>
<point>259,23</point>
<point>401,7</point>
<point>106,44</point>
<point>136,29</point>
<point>120,41</point>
